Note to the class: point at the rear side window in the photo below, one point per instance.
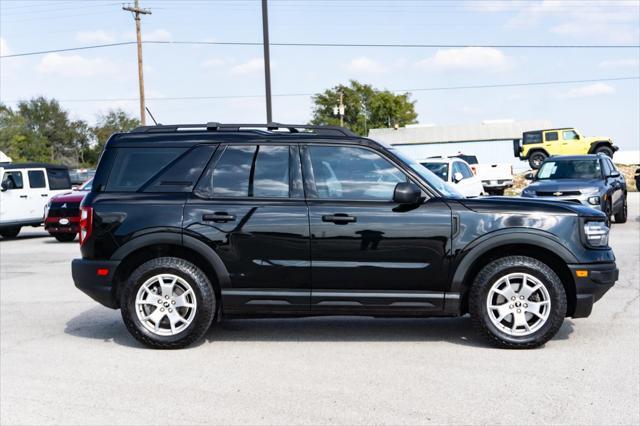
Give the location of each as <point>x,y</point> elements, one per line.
<point>248,171</point>
<point>135,166</point>
<point>36,179</point>
<point>12,180</point>
<point>531,138</point>
<point>551,136</point>
<point>58,179</point>
<point>182,175</point>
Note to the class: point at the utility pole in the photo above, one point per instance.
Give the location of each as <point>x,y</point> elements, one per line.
<point>267,61</point>
<point>137,11</point>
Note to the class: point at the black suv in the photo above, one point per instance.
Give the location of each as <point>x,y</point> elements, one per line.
<point>189,223</point>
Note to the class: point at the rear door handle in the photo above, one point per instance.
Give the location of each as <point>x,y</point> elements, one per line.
<point>339,218</point>
<point>218,217</point>
<point>44,195</point>
<point>23,196</point>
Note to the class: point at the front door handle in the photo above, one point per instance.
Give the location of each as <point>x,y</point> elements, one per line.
<point>339,218</point>
<point>218,217</point>
<point>44,195</point>
<point>23,196</point>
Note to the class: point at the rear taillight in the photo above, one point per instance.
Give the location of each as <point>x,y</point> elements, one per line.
<point>86,223</point>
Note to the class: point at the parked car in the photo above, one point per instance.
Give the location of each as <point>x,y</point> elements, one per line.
<point>26,189</point>
<point>79,176</point>
<point>591,180</point>
<point>537,145</point>
<point>495,177</point>
<point>455,172</point>
<point>187,223</point>
<point>62,214</point>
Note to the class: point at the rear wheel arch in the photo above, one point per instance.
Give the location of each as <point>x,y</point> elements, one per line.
<point>549,252</point>
<point>597,144</point>
<point>534,150</point>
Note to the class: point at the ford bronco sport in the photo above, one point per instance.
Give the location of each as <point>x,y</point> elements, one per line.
<point>186,224</point>
<point>537,145</point>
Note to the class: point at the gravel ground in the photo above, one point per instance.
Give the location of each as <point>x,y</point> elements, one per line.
<point>66,360</point>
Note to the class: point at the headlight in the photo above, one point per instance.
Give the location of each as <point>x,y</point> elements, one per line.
<point>596,234</point>
<point>594,200</point>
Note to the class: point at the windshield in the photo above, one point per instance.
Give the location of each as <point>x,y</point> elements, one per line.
<point>439,169</point>
<point>570,169</point>
<point>435,182</point>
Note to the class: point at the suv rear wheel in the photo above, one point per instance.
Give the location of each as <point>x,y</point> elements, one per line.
<point>536,159</point>
<point>604,149</point>
<point>517,302</point>
<point>168,303</point>
<point>10,232</point>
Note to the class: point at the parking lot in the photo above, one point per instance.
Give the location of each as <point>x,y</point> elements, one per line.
<point>66,359</point>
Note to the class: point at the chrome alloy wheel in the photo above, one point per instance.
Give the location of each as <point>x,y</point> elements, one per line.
<point>518,304</point>
<point>165,304</point>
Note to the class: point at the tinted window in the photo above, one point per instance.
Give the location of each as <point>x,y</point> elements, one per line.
<point>12,180</point>
<point>570,169</point>
<point>183,174</point>
<point>248,171</point>
<point>36,179</point>
<point>439,169</point>
<point>58,179</point>
<point>551,136</point>
<point>569,135</point>
<point>135,166</point>
<point>465,170</point>
<point>353,173</point>
<point>530,138</point>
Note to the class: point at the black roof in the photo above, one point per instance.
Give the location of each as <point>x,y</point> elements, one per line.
<point>576,157</point>
<point>246,127</point>
<point>9,166</point>
<point>548,130</point>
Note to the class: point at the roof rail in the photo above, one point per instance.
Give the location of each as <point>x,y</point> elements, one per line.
<point>219,127</point>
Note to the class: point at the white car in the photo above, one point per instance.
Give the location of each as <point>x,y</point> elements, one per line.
<point>456,172</point>
<point>25,191</point>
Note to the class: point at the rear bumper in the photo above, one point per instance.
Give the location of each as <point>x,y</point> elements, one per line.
<point>600,278</point>
<point>99,288</point>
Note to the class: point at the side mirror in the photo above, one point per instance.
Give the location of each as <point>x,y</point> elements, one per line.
<point>529,176</point>
<point>614,174</point>
<point>407,193</point>
<point>457,177</point>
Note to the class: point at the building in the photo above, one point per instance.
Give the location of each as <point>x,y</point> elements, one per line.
<point>490,141</point>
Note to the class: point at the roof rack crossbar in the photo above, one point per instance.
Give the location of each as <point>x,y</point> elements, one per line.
<point>215,126</point>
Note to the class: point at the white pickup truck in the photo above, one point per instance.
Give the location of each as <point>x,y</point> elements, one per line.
<point>495,177</point>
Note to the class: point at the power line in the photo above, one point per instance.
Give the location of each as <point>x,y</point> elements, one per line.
<point>377,45</point>
<point>425,89</point>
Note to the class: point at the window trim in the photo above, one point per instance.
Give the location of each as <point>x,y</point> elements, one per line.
<point>314,194</point>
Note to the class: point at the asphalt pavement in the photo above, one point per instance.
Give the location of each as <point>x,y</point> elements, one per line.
<point>64,359</point>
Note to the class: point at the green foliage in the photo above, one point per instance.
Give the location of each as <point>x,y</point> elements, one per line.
<point>40,130</point>
<point>365,108</point>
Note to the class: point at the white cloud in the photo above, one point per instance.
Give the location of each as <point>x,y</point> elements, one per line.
<point>620,63</point>
<point>98,36</point>
<point>251,66</point>
<point>75,65</point>
<point>467,58</point>
<point>366,65</point>
<point>152,35</point>
<point>596,89</point>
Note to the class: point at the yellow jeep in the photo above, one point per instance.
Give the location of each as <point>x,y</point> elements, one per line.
<point>537,145</point>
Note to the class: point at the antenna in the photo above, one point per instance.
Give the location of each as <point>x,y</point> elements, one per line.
<point>151,115</point>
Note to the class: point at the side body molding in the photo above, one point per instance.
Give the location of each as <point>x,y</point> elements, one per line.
<point>505,237</point>
<point>177,239</point>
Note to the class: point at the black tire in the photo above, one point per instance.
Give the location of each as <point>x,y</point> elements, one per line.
<point>536,159</point>
<point>201,286</point>
<point>608,211</point>
<point>604,149</point>
<point>492,273</point>
<point>65,238</point>
<point>621,216</point>
<point>10,232</point>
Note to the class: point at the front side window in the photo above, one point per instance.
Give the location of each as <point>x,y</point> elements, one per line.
<point>439,169</point>
<point>569,135</point>
<point>12,180</point>
<point>465,170</point>
<point>36,179</point>
<point>352,173</point>
<point>570,169</point>
<point>551,136</point>
<point>248,171</point>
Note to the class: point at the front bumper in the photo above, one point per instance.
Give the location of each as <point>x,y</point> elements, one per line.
<point>590,288</point>
<point>99,287</point>
<point>68,225</point>
<point>497,183</point>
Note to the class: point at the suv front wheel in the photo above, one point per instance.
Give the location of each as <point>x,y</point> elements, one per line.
<point>168,303</point>
<point>536,159</point>
<point>517,302</point>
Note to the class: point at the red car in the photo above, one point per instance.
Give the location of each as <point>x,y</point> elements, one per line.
<point>63,213</point>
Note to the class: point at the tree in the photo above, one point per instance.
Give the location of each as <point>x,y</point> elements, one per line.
<point>18,141</point>
<point>114,121</point>
<point>365,108</point>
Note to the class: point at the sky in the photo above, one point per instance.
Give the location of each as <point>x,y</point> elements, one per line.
<point>90,82</point>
